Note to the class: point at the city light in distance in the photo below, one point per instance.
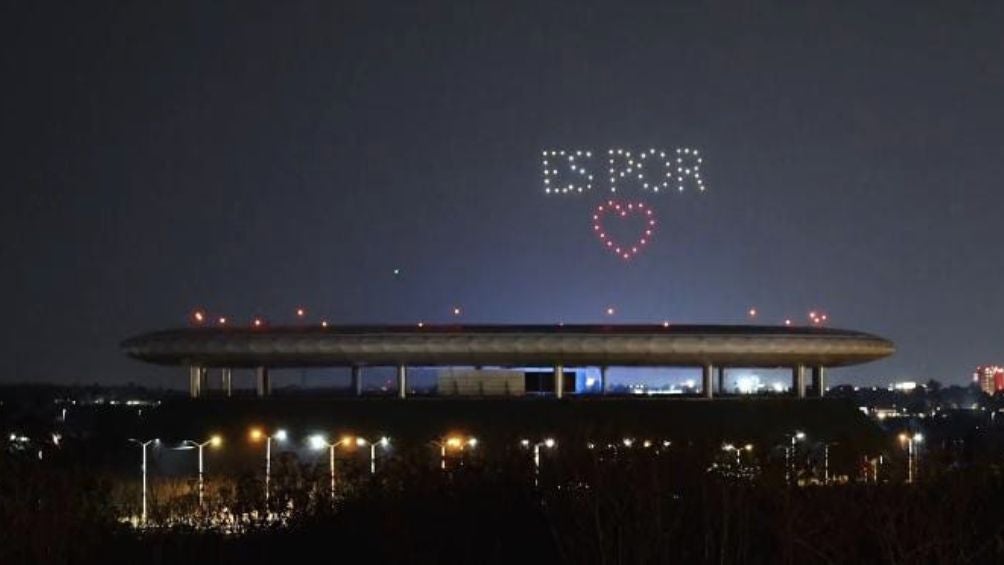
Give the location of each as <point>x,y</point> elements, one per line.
<point>610,311</point>
<point>324,323</point>
<point>198,316</point>
<point>222,320</point>
<point>300,312</point>
<point>456,311</point>
<point>751,313</point>
<point>257,323</point>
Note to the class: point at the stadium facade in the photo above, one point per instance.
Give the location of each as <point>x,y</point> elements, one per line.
<point>712,348</point>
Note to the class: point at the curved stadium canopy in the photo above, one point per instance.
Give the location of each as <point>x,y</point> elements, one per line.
<point>509,345</point>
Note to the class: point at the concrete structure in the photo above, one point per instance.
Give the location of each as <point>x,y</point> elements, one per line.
<point>710,347</point>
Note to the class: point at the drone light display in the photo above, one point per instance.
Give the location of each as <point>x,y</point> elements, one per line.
<point>629,249</point>
<point>653,170</point>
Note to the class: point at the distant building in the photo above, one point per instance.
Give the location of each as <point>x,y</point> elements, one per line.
<point>990,378</point>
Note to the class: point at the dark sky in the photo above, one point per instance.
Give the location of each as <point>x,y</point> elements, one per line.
<point>249,157</point>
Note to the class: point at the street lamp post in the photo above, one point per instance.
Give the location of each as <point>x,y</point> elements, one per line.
<point>738,451</point>
<point>826,462</point>
<point>382,442</point>
<point>453,442</point>
<point>144,444</point>
<point>789,457</point>
<point>318,442</point>
<point>256,435</point>
<point>549,443</point>
<point>214,441</point>
<point>911,453</point>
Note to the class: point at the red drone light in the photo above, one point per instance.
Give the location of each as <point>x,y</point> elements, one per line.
<point>619,210</point>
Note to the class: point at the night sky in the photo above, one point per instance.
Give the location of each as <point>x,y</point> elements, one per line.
<point>251,157</point>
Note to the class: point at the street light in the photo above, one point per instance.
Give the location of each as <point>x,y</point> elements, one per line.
<point>383,442</point>
<point>256,434</point>
<point>826,461</point>
<point>789,457</point>
<point>911,453</point>
<point>549,443</point>
<point>144,444</point>
<point>453,442</point>
<point>214,441</point>
<point>318,441</point>
<point>738,450</point>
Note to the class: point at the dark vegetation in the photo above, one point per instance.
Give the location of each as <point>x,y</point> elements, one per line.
<point>601,505</point>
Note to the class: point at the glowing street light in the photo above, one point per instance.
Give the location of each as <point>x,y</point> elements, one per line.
<point>455,442</point>
<point>549,443</point>
<point>738,449</point>
<point>144,445</point>
<point>457,311</point>
<point>751,313</point>
<point>256,435</point>
<point>301,312</point>
<point>318,442</point>
<point>198,317</point>
<point>789,456</point>
<point>214,441</point>
<point>911,453</point>
<point>383,442</point>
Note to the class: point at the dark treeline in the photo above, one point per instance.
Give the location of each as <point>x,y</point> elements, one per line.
<point>630,507</point>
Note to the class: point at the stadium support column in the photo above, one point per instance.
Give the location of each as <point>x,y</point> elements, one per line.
<point>195,381</point>
<point>402,381</point>
<point>227,374</point>
<point>798,380</point>
<point>819,380</point>
<point>707,380</point>
<point>721,380</point>
<point>357,380</point>
<point>559,381</point>
<point>603,379</point>
<point>263,382</point>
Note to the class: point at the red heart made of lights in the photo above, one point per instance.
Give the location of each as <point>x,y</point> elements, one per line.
<point>615,210</point>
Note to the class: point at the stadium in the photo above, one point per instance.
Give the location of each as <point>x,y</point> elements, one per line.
<point>554,350</point>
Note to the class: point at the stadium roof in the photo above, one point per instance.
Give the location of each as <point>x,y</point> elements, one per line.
<point>509,345</point>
